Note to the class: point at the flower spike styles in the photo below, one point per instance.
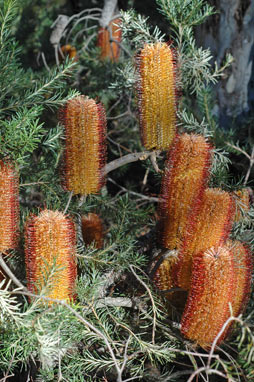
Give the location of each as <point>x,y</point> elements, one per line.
<point>157,97</point>
<point>50,255</point>
<point>211,292</point>
<point>108,39</point>
<point>92,230</point>
<point>85,148</point>
<point>211,229</point>
<point>9,207</point>
<point>183,185</point>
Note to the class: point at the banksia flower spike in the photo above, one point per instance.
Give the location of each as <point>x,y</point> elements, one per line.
<point>85,149</point>
<point>211,229</point>
<point>92,230</point>
<point>211,292</point>
<point>108,39</point>
<point>68,50</point>
<point>183,184</point>
<point>9,206</point>
<point>242,199</point>
<point>220,278</point>
<point>157,97</point>
<point>49,243</point>
<point>162,272</point>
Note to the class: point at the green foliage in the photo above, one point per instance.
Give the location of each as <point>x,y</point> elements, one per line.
<point>98,337</point>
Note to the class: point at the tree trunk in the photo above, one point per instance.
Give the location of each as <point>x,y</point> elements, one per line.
<point>231,31</point>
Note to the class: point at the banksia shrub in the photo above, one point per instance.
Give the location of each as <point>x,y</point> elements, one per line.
<point>183,184</point>
<point>92,230</point>
<point>211,229</point>
<point>85,149</point>
<point>50,254</point>
<point>9,206</point>
<point>157,97</point>
<point>108,39</point>
<point>212,289</point>
<point>242,199</point>
<point>219,277</point>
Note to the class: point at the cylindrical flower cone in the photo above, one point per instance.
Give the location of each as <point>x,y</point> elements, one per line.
<point>211,292</point>
<point>9,207</point>
<point>211,229</point>
<point>108,39</point>
<point>85,148</point>
<point>68,50</point>
<point>162,271</point>
<point>92,230</point>
<point>242,199</point>
<point>157,96</point>
<point>50,255</point>
<point>184,181</point>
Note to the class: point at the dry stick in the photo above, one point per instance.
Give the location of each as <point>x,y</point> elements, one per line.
<point>68,202</point>
<point>7,270</point>
<point>129,158</point>
<point>150,198</point>
<point>250,167</point>
<point>151,297</point>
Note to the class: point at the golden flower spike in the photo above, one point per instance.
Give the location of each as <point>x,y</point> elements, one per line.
<point>85,148</point>
<point>110,49</point>
<point>211,229</point>
<point>185,178</point>
<point>211,292</point>
<point>157,95</point>
<point>92,230</point>
<point>50,246</point>
<point>68,50</point>
<point>9,207</point>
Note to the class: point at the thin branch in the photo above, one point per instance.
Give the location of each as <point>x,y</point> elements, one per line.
<point>151,297</point>
<point>239,149</point>
<point>150,198</point>
<point>129,158</point>
<point>9,273</point>
<point>68,202</point>
<point>250,167</point>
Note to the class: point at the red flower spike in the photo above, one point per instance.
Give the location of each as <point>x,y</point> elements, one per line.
<point>157,95</point>
<point>50,240</point>
<point>211,229</point>
<point>9,207</point>
<point>85,148</point>
<point>212,289</point>
<point>110,49</point>
<point>92,230</point>
<point>183,184</point>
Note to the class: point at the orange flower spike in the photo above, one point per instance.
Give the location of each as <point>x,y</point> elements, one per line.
<point>212,288</point>
<point>85,147</point>
<point>68,50</point>
<point>9,207</point>
<point>163,271</point>
<point>110,49</point>
<point>211,229</point>
<point>92,230</point>
<point>242,199</point>
<point>50,240</point>
<point>157,95</point>
<point>183,184</point>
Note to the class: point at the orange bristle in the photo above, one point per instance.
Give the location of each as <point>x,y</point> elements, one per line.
<point>92,230</point>
<point>85,147</point>
<point>157,95</point>
<point>211,229</point>
<point>50,241</point>
<point>108,39</point>
<point>9,207</point>
<point>183,184</point>
<point>163,272</point>
<point>212,290</point>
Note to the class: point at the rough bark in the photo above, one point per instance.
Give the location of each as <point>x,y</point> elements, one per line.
<point>231,31</point>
